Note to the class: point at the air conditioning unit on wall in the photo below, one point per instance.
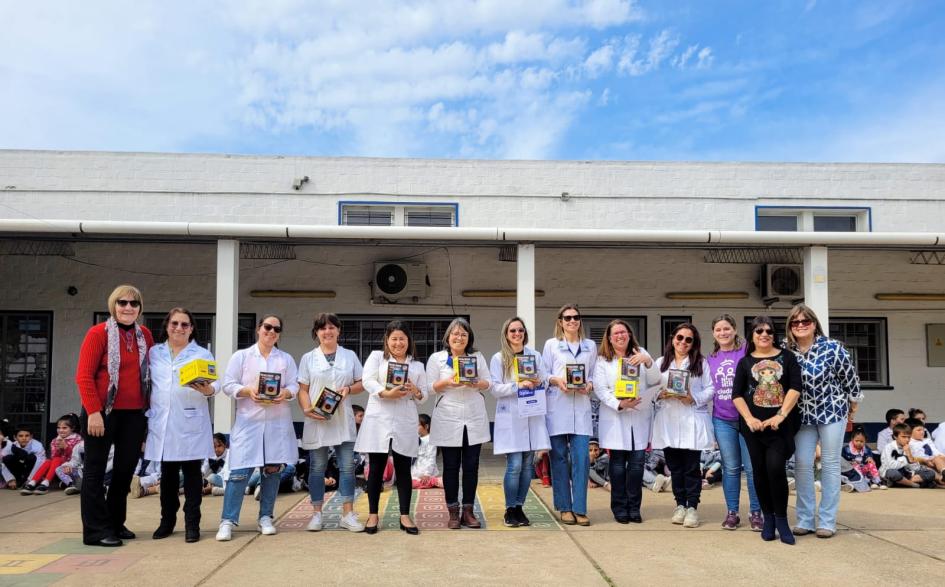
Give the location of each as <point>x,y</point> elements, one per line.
<point>782,283</point>
<point>399,282</point>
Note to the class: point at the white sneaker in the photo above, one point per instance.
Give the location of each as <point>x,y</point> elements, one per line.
<point>692,518</point>
<point>846,488</point>
<point>247,491</point>
<point>265,526</point>
<point>296,484</point>
<point>658,483</point>
<point>315,524</point>
<point>350,521</point>
<point>791,483</point>
<point>817,485</point>
<point>679,514</point>
<point>668,484</point>
<point>883,487</point>
<point>257,492</point>
<point>218,491</point>
<point>225,533</point>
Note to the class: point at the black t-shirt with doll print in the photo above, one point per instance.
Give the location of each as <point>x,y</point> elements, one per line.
<point>764,382</point>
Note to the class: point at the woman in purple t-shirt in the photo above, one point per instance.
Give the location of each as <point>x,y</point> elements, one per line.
<point>729,350</point>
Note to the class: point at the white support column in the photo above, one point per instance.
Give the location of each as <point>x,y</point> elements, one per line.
<point>228,277</point>
<point>816,284</point>
<point>525,285</point>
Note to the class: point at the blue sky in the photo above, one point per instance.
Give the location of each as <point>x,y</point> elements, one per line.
<point>693,80</point>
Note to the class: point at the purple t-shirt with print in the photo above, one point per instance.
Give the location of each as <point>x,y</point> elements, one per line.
<point>722,367</point>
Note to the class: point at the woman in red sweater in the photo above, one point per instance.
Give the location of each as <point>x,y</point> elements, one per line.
<point>112,377</point>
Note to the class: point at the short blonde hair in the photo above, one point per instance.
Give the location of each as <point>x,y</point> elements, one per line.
<point>124,290</point>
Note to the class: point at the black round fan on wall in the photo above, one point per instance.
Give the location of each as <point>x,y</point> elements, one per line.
<point>785,281</point>
<point>391,279</point>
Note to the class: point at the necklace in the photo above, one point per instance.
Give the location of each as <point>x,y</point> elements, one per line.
<point>128,337</point>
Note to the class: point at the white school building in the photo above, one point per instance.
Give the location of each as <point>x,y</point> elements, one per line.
<point>233,238</point>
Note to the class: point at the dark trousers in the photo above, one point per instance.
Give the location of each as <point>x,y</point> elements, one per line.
<point>20,466</point>
<point>769,452</point>
<point>686,474</point>
<point>626,481</point>
<point>467,457</point>
<point>193,492</point>
<point>103,516</point>
<point>377,461</point>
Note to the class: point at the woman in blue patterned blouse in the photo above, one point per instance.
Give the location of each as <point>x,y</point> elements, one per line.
<point>830,396</point>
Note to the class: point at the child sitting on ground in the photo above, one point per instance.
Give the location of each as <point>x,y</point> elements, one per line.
<point>424,471</point>
<point>859,464</point>
<point>898,467</point>
<point>26,456</point>
<point>711,463</point>
<point>599,473</point>
<point>924,450</point>
<point>147,478</point>
<point>655,473</point>
<point>60,451</point>
<point>214,470</point>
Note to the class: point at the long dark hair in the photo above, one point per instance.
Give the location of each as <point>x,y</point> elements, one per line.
<point>606,349</point>
<point>695,350</point>
<point>393,326</point>
<point>761,320</point>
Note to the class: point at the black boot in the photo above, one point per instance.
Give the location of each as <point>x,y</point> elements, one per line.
<point>165,529</point>
<point>784,530</point>
<point>767,530</point>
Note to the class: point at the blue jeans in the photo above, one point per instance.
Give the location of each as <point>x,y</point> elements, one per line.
<point>734,459</point>
<point>569,483</point>
<point>831,443</point>
<point>318,462</point>
<point>518,478</point>
<point>236,489</point>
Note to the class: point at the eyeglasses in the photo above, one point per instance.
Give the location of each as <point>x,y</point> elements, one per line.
<point>181,325</point>
<point>132,303</point>
<point>619,334</point>
<point>801,322</point>
<point>268,327</point>
<point>459,335</point>
<point>760,331</point>
<point>685,339</point>
<point>569,318</point>
<point>516,331</point>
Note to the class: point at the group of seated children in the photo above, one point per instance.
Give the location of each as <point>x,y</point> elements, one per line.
<point>910,457</point>
<point>655,472</point>
<point>27,467</point>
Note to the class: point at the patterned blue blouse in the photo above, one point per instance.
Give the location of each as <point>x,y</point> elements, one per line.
<point>830,382</point>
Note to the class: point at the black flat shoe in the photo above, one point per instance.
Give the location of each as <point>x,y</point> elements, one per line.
<point>370,529</point>
<point>622,520</point>
<point>125,534</point>
<point>107,541</point>
<point>412,530</point>
<point>162,532</point>
<point>636,518</point>
<point>192,535</point>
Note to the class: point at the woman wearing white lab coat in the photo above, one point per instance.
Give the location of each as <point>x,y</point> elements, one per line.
<point>625,423</point>
<point>335,367</point>
<point>569,414</point>
<point>460,423</point>
<point>179,428</point>
<point>263,434</point>
<point>682,426</point>
<point>390,421</point>
<point>516,436</point>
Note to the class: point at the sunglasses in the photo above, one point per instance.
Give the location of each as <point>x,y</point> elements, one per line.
<point>685,339</point>
<point>176,324</point>
<point>761,331</point>
<point>516,330</point>
<point>801,322</point>
<point>268,327</point>
<point>132,303</point>
<point>570,318</point>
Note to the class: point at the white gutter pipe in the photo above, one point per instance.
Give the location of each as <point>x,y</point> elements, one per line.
<point>497,234</point>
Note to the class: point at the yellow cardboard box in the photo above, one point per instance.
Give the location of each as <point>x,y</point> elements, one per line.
<point>198,371</point>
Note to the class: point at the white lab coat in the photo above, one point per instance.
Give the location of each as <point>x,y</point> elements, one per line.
<point>677,425</point>
<point>263,434</point>
<point>512,432</point>
<point>179,427</point>
<point>568,413</point>
<point>316,372</point>
<point>625,429</point>
<point>390,419</point>
<point>458,406</point>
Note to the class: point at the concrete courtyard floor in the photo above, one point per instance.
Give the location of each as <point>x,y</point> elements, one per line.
<point>40,544</point>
